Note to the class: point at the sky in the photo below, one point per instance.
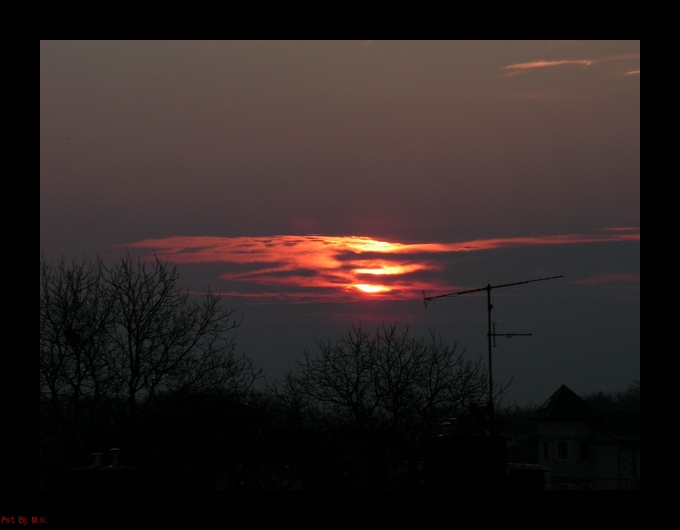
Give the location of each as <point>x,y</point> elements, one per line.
<point>318,185</point>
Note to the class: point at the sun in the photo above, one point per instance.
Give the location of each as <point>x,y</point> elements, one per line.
<point>370,288</point>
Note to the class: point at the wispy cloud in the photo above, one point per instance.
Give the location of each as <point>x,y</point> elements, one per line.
<point>531,65</point>
<point>518,68</point>
<point>316,267</point>
<point>625,285</point>
<point>609,279</point>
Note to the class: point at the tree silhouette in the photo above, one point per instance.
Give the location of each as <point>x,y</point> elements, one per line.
<point>378,395</point>
<point>628,399</point>
<point>117,341</point>
<point>390,379</point>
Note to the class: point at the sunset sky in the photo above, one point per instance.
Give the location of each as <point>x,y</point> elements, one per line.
<point>320,184</point>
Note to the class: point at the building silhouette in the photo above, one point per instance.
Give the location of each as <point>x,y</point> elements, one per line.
<point>582,448</point>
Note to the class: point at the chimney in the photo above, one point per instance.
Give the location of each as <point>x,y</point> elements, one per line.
<point>114,456</point>
<point>96,460</point>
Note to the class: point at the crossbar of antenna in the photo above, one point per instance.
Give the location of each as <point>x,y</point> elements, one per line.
<point>428,298</point>
<point>488,288</point>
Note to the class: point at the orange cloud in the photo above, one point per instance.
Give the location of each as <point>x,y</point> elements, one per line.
<point>317,267</point>
<point>544,64</point>
<point>517,68</point>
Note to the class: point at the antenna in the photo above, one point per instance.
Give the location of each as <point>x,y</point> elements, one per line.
<point>506,335</point>
<point>490,334</point>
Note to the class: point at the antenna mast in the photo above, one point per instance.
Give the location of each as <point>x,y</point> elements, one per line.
<point>506,335</point>
<point>490,333</point>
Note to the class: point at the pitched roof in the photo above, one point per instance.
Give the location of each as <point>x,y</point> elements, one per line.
<point>564,404</point>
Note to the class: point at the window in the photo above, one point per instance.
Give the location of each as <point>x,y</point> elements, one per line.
<point>563,450</point>
<point>584,450</point>
<point>546,450</point>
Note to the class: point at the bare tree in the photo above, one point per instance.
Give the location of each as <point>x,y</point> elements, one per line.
<point>363,406</point>
<point>115,341</point>
<point>389,380</point>
<point>74,324</point>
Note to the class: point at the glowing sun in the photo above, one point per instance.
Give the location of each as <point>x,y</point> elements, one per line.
<point>369,288</point>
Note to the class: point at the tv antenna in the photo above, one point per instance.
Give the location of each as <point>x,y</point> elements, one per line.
<point>490,334</point>
<point>506,335</point>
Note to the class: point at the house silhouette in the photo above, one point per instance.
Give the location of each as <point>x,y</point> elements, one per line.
<point>583,448</point>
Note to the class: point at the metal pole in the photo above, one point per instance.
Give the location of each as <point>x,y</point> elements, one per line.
<point>489,306</point>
